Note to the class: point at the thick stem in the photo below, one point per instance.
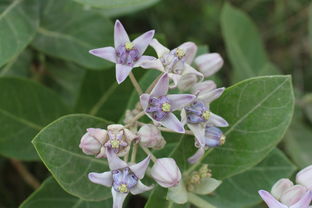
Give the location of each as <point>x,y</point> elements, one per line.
<point>148,152</point>
<point>137,117</point>
<point>134,152</point>
<point>198,202</point>
<point>26,175</point>
<point>126,157</point>
<point>135,84</point>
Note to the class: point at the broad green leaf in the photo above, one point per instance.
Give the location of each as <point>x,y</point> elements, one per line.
<point>68,31</point>
<point>66,79</point>
<point>19,66</point>
<point>101,96</point>
<point>259,111</point>
<point>298,143</point>
<point>118,7</point>
<point>25,108</point>
<point>18,23</point>
<point>242,190</point>
<point>244,45</point>
<point>50,194</point>
<point>58,147</point>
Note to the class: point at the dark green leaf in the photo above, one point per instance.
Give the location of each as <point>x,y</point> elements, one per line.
<point>18,22</point>
<point>25,108</point>
<point>51,195</point>
<point>244,45</point>
<point>19,66</point>
<point>58,147</point>
<point>69,31</point>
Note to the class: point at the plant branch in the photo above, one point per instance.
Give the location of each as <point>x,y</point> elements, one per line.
<point>135,84</point>
<point>134,152</point>
<point>148,152</point>
<point>137,117</point>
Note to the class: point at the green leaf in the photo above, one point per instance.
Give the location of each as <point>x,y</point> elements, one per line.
<point>310,25</point>
<point>18,23</point>
<point>259,111</point>
<point>58,147</point>
<point>244,45</point>
<point>25,107</point>
<point>120,7</point>
<point>20,66</point>
<point>50,194</point>
<point>68,31</point>
<point>242,190</point>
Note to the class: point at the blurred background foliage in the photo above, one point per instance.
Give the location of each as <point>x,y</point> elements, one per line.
<point>255,37</point>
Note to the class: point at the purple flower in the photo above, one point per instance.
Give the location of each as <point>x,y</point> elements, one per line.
<point>126,54</point>
<point>201,121</point>
<point>123,178</point>
<point>159,106</point>
<point>177,62</point>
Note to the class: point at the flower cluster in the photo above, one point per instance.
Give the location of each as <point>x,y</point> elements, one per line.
<point>284,194</point>
<point>160,106</point>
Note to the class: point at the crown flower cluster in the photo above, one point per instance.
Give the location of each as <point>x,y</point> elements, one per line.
<point>186,111</point>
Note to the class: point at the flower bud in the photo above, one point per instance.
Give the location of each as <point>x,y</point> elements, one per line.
<point>150,136</point>
<point>166,172</point>
<point>280,187</point>
<point>304,177</point>
<point>293,194</point>
<point>92,142</point>
<point>209,63</point>
<point>187,81</point>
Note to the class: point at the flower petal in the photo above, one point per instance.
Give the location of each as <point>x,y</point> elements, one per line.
<point>199,133</point>
<point>190,50</point>
<point>99,134</point>
<point>190,70</point>
<point>159,48</point>
<point>178,101</point>
<point>140,168</point>
<point>143,41</point>
<point>198,154</point>
<point>207,186</point>
<point>107,53</point>
<point>114,162</point>
<point>105,179</point>
<point>304,202</point>
<point>144,99</point>
<point>161,88</point>
<point>143,59</point>
<point>280,187</point>
<point>175,78</point>
<point>172,122</point>
<point>217,121</point>
<point>140,188</point>
<point>207,85</point>
<point>152,64</point>
<point>122,72</point>
<point>209,63</point>
<point>120,34</point>
<point>270,200</point>
<point>304,177</point>
<point>209,96</point>
<point>118,198</point>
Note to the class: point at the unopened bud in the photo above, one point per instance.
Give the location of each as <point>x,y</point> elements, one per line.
<point>150,136</point>
<point>280,187</point>
<point>92,142</point>
<point>304,177</point>
<point>166,172</point>
<point>293,194</point>
<point>209,63</point>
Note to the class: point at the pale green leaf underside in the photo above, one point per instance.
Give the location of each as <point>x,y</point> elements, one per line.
<point>18,23</point>
<point>68,31</point>
<point>25,108</point>
<point>58,147</point>
<point>51,195</point>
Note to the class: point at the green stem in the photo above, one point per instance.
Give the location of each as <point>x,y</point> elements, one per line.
<point>148,152</point>
<point>135,84</point>
<point>134,152</point>
<point>197,201</point>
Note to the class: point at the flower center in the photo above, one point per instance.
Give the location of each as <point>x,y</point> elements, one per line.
<point>206,115</point>
<point>222,139</point>
<point>180,53</point>
<point>123,188</point>
<point>166,107</point>
<point>129,46</point>
<point>115,143</point>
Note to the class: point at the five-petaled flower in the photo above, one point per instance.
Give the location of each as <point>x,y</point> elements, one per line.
<point>177,62</point>
<point>123,178</point>
<point>126,54</point>
<point>159,106</point>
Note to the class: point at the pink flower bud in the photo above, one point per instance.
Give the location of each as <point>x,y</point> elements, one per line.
<point>209,63</point>
<point>166,172</point>
<point>92,142</point>
<point>293,194</point>
<point>304,177</point>
<point>151,137</point>
<point>280,187</point>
